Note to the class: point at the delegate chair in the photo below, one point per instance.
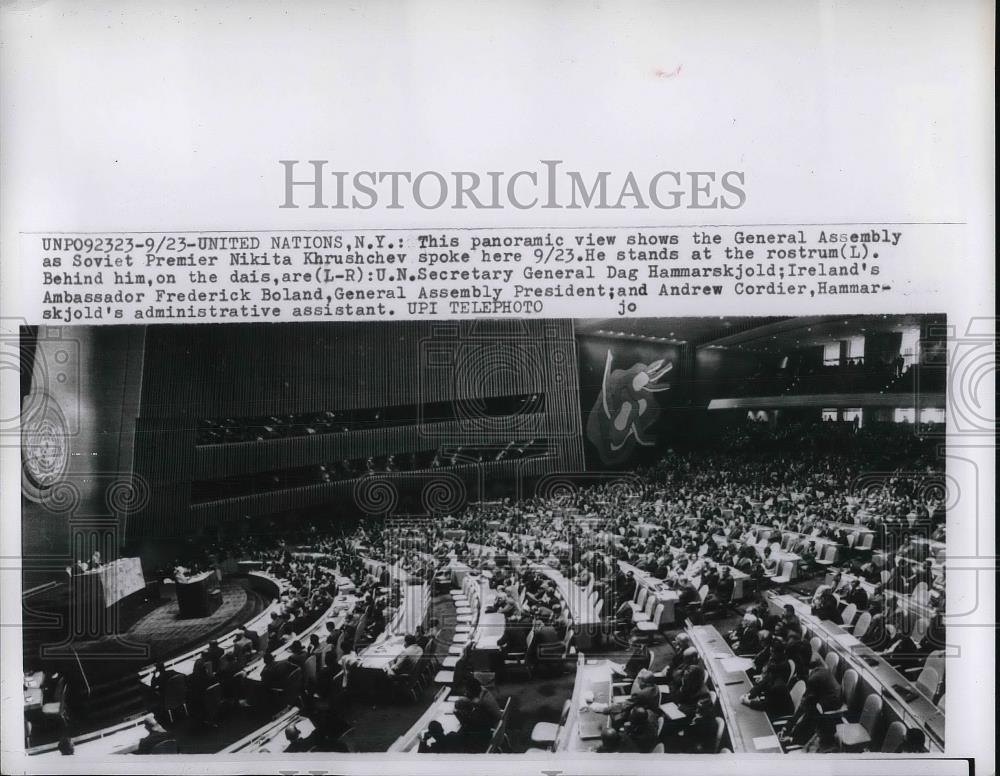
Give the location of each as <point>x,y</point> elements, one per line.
<point>894,736</point>
<point>856,735</point>
<point>849,688</point>
<point>928,680</point>
<point>861,626</point>
<point>544,734</point>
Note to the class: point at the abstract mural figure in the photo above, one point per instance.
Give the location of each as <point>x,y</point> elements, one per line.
<point>626,408</point>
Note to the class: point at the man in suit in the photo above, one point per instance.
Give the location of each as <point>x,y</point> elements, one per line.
<point>799,651</point>
<point>275,672</point>
<point>544,633</point>
<point>826,608</point>
<point>856,595</point>
<point>638,659</point>
<point>822,689</point>
<point>640,732</point>
<point>161,675</point>
<point>227,677</point>
<point>503,605</point>
<point>628,586</point>
<point>202,676</point>
<point>902,652</point>
<point>789,622</point>
<point>898,580</point>
<point>698,737</point>
<point>155,734</point>
<point>725,587</point>
<point>515,635</point>
<point>407,662</point>
<point>296,743</point>
<point>298,656</point>
<point>214,654</point>
<point>426,637</point>
<point>249,641</point>
<point>770,692</point>
<point>692,689</point>
<point>925,574</point>
<point>435,741</point>
<point>681,643</point>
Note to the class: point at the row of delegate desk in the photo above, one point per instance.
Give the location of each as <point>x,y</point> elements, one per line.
<point>367,674</point>
<point>489,627</point>
<point>905,602</point>
<point>668,597</point>
<point>270,737</point>
<point>586,621</point>
<point>749,730</point>
<point>783,556</point>
<point>902,696</point>
<point>124,737</point>
<point>481,645</point>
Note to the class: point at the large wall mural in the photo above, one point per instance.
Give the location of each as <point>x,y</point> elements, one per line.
<point>624,415</point>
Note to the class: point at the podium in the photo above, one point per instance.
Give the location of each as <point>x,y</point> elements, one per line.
<point>198,596</point>
<point>94,594</point>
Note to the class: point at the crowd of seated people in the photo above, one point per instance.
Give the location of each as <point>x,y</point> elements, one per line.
<point>782,656</point>
<point>705,517</point>
<point>352,468</point>
<point>309,585</point>
<point>691,522</point>
<point>847,375</point>
<point>477,712</point>
<point>259,429</point>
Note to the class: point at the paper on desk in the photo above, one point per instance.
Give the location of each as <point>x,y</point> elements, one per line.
<point>766,742</point>
<point>847,639</point>
<point>736,664</point>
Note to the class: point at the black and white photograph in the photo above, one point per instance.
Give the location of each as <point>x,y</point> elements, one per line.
<point>655,536</point>
<point>488,387</point>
